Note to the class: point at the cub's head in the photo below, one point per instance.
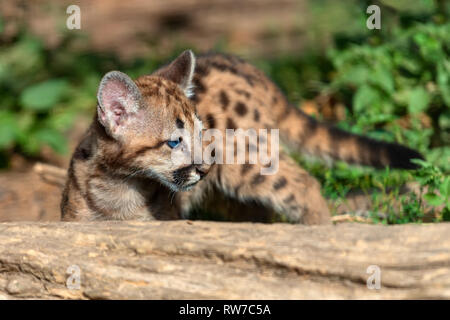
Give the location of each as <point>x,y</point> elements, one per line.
<point>150,125</point>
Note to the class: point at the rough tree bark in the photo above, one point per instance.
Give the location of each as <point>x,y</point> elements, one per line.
<point>191,260</point>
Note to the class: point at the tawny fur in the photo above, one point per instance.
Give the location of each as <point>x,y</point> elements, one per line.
<point>123,172</point>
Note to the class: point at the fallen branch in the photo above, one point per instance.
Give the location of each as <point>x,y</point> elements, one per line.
<point>211,260</point>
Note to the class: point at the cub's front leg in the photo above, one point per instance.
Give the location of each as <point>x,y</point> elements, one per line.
<point>291,191</point>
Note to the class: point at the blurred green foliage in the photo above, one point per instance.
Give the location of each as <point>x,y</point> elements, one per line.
<point>37,97</point>
<point>395,84</point>
<point>43,90</point>
<point>407,74</point>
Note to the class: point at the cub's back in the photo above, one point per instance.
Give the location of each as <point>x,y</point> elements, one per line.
<point>231,94</point>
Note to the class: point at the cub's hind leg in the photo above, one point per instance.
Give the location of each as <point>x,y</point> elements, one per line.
<point>290,191</point>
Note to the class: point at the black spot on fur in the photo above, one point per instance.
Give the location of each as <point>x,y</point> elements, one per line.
<point>256,115</point>
<point>199,86</point>
<point>222,67</point>
<point>231,124</point>
<point>246,167</point>
<point>201,70</point>
<point>258,179</point>
<point>309,129</point>
<point>280,183</point>
<point>224,100</point>
<point>230,67</point>
<point>240,108</point>
<point>210,121</point>
<point>82,154</point>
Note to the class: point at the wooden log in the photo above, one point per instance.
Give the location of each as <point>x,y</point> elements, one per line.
<point>212,260</point>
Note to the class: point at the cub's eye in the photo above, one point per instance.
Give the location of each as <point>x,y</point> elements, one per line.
<point>173,143</point>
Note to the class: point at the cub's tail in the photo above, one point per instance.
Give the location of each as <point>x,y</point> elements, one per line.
<point>307,134</point>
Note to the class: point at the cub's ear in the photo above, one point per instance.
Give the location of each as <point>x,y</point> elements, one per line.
<point>181,71</point>
<point>119,100</point>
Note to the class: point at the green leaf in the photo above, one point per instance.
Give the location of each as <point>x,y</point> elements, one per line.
<point>421,163</point>
<point>52,138</point>
<point>433,199</point>
<point>365,98</point>
<point>418,100</point>
<point>383,78</point>
<point>8,129</point>
<point>61,121</point>
<point>444,188</point>
<point>357,75</point>
<point>443,80</point>
<point>43,96</point>
<point>29,144</point>
<point>430,48</point>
